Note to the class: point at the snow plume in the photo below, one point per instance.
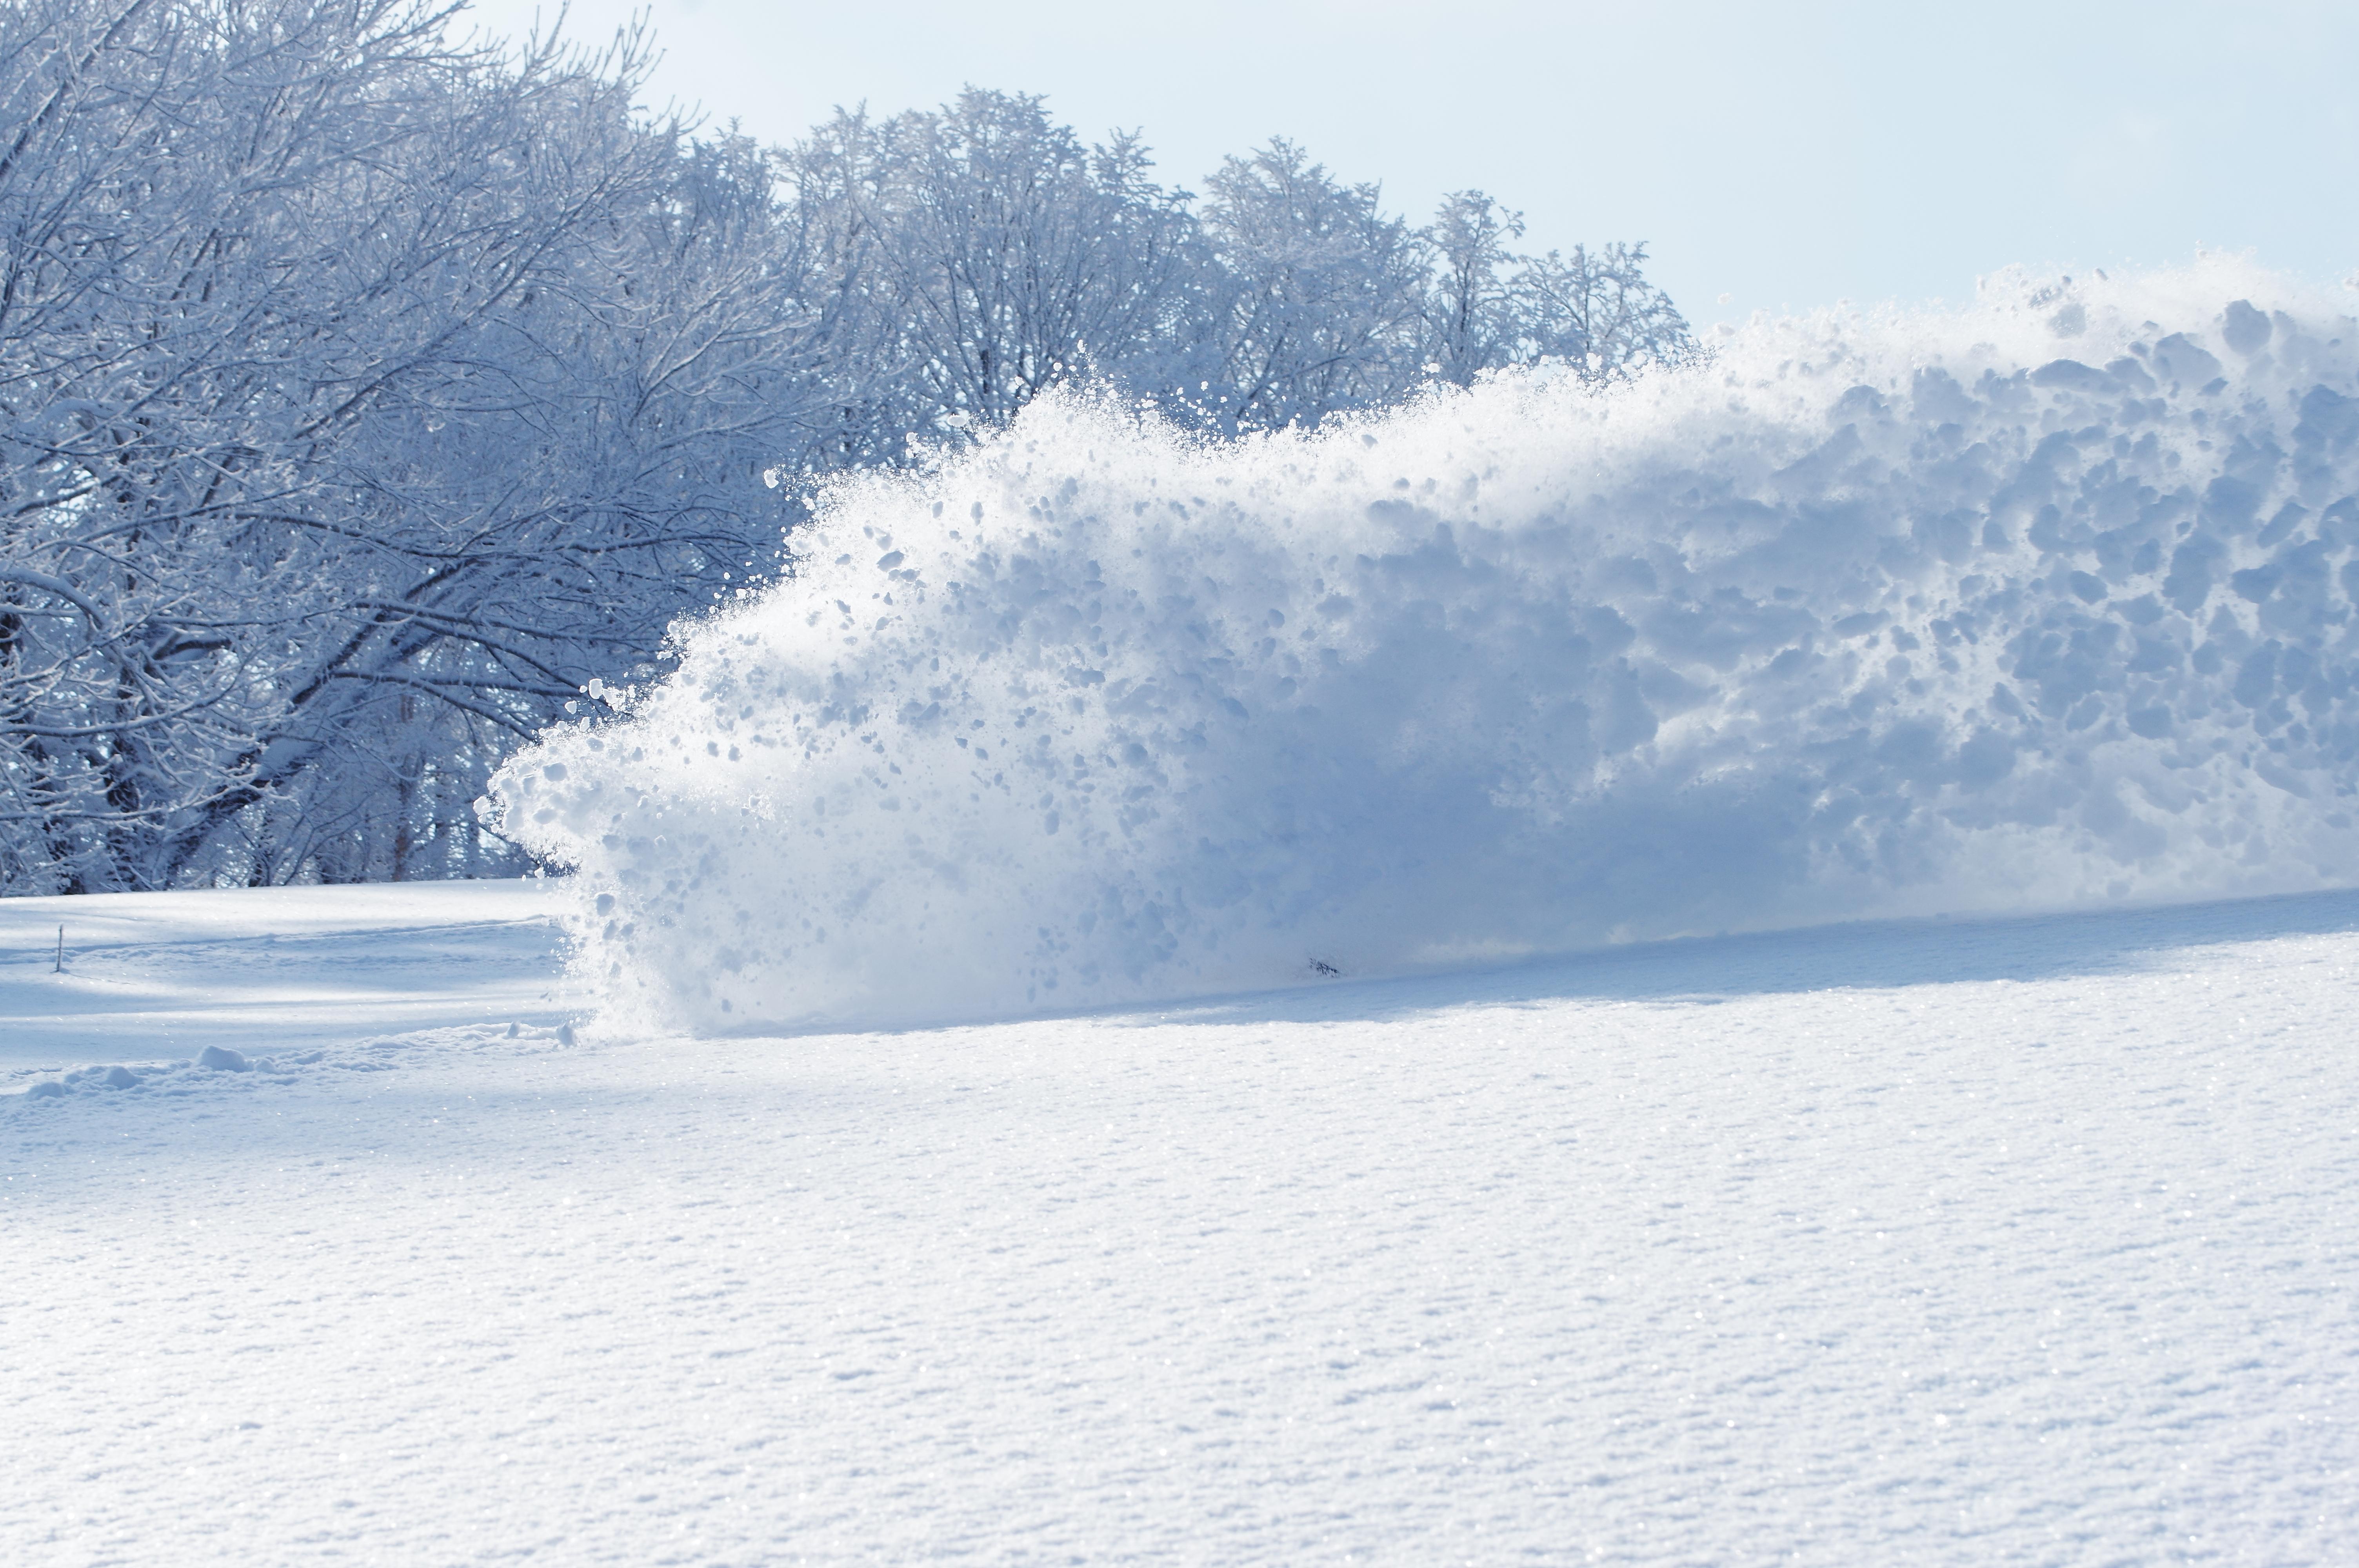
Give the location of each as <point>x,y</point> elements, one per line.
<point>2043,602</point>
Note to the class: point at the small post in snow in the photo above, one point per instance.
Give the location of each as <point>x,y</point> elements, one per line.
<point>61,952</point>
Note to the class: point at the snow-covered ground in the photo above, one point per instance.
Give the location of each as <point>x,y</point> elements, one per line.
<point>2011,1241</point>
<point>155,977</point>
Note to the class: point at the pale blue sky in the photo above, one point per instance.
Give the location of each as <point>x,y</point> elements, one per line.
<point>1783,155</point>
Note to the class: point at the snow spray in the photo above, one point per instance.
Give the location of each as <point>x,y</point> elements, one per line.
<point>2038,603</point>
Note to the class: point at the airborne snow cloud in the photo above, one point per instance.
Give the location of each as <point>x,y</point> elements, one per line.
<point>2042,602</point>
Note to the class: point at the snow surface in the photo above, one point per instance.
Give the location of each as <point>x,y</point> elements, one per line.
<point>2043,603</point>
<point>1972,1242</point>
<point>160,976</point>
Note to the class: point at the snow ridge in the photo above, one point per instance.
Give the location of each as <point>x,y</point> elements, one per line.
<point>2042,602</point>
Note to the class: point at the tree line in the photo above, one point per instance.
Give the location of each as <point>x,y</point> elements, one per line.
<point>367,389</point>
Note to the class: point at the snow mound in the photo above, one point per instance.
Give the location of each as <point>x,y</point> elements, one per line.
<point>2038,603</point>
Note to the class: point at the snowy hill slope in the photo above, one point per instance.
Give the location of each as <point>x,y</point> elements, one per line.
<point>1938,1242</point>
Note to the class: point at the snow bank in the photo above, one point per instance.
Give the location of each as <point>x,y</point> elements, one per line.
<point>2043,602</point>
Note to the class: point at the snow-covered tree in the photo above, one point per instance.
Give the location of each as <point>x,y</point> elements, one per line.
<point>361,395</point>
<point>1320,299</point>
<point>1594,313</point>
<point>993,253</point>
<point>955,262</point>
<point>1472,318</point>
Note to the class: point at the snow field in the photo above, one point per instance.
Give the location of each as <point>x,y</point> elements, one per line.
<point>152,980</point>
<point>2019,1241</point>
<point>2046,603</point>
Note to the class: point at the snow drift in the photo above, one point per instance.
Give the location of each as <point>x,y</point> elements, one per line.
<point>2043,602</point>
